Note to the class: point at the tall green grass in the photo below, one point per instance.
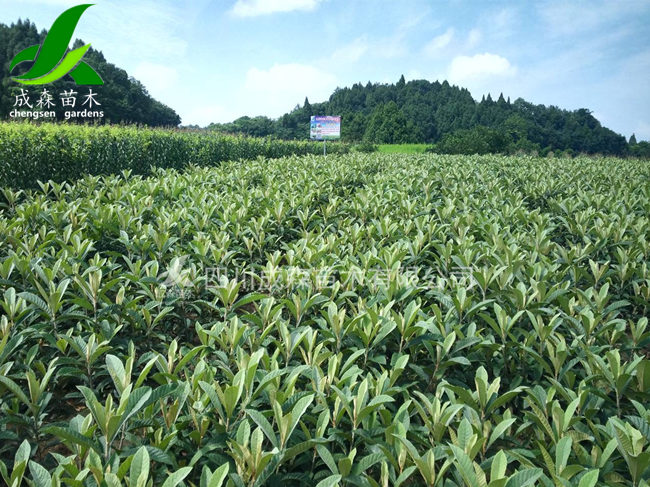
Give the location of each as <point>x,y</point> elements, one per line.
<point>29,153</point>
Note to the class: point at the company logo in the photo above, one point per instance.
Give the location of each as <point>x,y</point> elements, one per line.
<point>177,277</point>
<point>51,62</point>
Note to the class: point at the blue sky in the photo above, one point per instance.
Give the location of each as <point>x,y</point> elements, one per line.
<point>217,60</point>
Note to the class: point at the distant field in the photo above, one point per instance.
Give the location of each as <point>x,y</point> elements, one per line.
<point>402,148</point>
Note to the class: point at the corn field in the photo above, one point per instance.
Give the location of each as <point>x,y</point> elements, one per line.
<point>355,320</point>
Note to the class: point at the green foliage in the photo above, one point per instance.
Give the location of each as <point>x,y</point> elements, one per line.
<point>478,140</point>
<point>402,148</point>
<point>252,126</point>
<point>366,147</point>
<point>388,125</point>
<point>640,149</point>
<point>49,152</point>
<point>376,320</point>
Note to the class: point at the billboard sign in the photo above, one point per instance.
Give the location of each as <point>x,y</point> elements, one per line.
<point>325,128</point>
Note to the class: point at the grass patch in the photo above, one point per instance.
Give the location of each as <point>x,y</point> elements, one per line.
<point>403,148</point>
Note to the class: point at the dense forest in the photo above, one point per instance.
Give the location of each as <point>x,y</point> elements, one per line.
<point>447,116</point>
<point>123,99</point>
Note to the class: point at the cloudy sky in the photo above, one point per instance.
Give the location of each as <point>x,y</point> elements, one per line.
<point>217,60</point>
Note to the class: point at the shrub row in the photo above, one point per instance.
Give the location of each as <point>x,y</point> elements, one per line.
<point>29,152</point>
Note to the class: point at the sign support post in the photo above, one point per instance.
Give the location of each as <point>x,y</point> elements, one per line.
<point>324,147</point>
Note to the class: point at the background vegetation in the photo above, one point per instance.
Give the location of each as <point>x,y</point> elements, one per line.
<point>443,116</point>
<point>447,116</point>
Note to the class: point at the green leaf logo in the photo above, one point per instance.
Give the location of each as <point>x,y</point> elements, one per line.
<point>51,62</point>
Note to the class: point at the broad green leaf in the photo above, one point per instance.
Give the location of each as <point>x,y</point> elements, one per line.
<point>177,477</point>
<point>139,471</point>
<point>523,478</point>
<point>40,476</point>
<point>218,476</point>
<point>330,481</point>
<point>589,479</point>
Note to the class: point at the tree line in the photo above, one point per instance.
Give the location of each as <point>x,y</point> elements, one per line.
<point>448,118</point>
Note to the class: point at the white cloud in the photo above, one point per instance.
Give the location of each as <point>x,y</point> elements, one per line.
<point>157,78</point>
<point>479,66</point>
<point>275,90</point>
<point>439,42</point>
<point>352,52</point>
<point>253,8</point>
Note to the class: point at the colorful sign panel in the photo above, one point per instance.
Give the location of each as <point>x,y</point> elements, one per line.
<point>325,128</point>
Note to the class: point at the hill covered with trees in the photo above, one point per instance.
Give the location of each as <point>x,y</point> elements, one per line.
<point>447,116</point>
<point>123,99</point>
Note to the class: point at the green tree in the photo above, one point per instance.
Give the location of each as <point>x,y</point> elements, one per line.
<point>478,140</point>
<point>388,125</point>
